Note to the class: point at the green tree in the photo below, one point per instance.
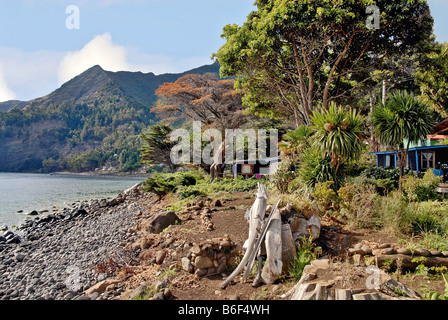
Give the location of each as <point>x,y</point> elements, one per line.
<point>403,119</point>
<point>294,142</point>
<point>292,55</point>
<point>338,134</point>
<point>432,76</point>
<point>157,146</point>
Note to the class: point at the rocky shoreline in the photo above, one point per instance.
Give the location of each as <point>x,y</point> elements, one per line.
<point>58,256</point>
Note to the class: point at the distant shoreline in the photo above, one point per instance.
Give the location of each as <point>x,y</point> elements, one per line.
<point>101,173</point>
<point>88,173</point>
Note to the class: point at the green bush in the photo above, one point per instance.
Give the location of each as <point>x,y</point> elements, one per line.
<point>307,252</point>
<point>359,204</point>
<point>163,183</point>
<point>316,169</point>
<point>426,217</point>
<point>206,188</point>
<point>420,189</point>
<point>284,177</point>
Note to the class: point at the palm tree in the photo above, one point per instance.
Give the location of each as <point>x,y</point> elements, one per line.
<point>403,119</point>
<point>294,142</point>
<point>338,134</point>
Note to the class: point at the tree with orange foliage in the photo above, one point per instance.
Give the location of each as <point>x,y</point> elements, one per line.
<point>204,98</point>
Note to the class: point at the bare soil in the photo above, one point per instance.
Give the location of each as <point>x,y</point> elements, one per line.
<point>228,220</point>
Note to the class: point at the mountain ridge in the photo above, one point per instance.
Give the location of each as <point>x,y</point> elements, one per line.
<point>92,121</point>
<point>94,78</point>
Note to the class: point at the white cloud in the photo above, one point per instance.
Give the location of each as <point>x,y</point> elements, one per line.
<point>29,75</point>
<point>99,51</point>
<point>5,92</point>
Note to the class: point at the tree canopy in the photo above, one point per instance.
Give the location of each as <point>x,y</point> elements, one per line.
<point>205,98</point>
<point>433,78</point>
<point>403,119</point>
<point>293,55</point>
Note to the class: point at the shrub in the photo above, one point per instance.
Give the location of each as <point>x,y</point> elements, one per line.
<point>359,204</point>
<point>316,169</point>
<point>163,183</point>
<point>284,176</point>
<point>206,188</point>
<point>325,196</point>
<point>306,253</point>
<point>420,189</point>
<point>426,217</point>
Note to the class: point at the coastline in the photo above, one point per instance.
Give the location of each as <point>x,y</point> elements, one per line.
<point>60,255</point>
<point>26,193</point>
<point>102,173</point>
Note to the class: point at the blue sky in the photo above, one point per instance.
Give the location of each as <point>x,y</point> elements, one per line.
<point>38,52</point>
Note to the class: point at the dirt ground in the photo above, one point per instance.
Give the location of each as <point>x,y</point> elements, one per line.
<point>228,220</point>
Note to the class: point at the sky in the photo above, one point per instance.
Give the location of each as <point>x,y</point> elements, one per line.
<point>44,43</point>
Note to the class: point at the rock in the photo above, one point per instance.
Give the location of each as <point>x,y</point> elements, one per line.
<point>186,265</point>
<point>167,292</point>
<point>298,224</point>
<point>422,252</point>
<point>366,250</point>
<point>202,262</point>
<point>384,246</point>
<point>216,203</point>
<point>100,287</point>
<point>20,257</point>
<point>404,251</point>
<point>445,253</point>
<point>201,272</point>
<point>357,259</point>
<point>225,244</point>
<point>435,253</point>
<point>314,227</point>
<point>196,250</point>
<point>288,247</point>
<point>388,251</point>
<point>33,213</point>
<point>322,263</point>
<point>354,251</point>
<point>162,221</point>
<point>158,296</point>
<point>367,296</point>
<point>160,256</point>
<point>222,266</point>
<point>3,228</point>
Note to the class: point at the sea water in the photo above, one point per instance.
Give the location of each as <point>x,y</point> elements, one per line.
<point>27,192</point>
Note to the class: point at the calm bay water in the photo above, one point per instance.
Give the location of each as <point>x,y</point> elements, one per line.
<point>30,192</point>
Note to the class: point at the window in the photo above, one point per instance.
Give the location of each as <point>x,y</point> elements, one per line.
<point>428,160</point>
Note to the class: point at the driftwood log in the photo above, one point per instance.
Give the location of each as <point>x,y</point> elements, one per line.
<point>272,269</point>
<point>257,214</point>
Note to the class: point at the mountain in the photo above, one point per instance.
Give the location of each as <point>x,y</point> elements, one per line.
<point>91,121</point>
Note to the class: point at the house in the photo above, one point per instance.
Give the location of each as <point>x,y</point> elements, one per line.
<point>258,167</point>
<point>422,156</point>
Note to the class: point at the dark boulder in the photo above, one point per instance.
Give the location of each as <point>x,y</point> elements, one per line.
<point>162,221</point>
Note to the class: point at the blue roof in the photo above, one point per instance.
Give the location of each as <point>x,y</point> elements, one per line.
<point>414,149</point>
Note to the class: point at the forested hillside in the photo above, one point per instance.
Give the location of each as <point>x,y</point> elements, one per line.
<point>93,121</point>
